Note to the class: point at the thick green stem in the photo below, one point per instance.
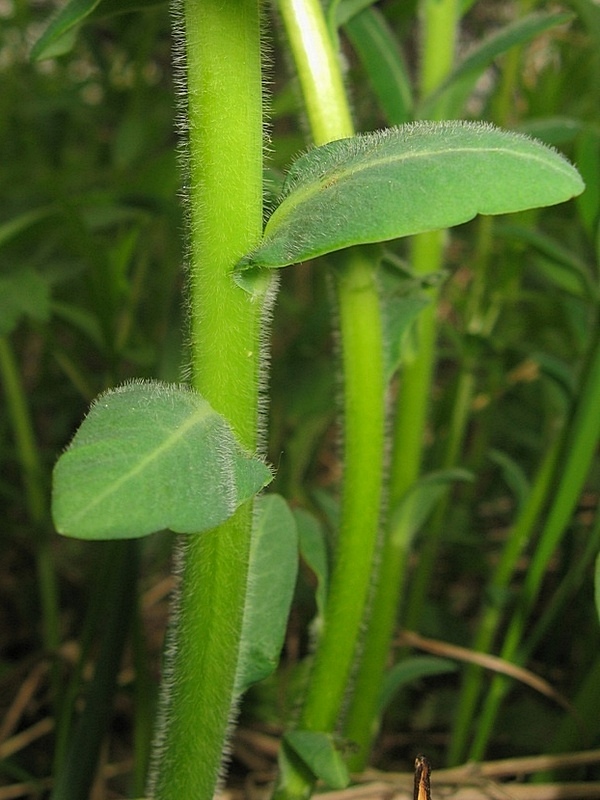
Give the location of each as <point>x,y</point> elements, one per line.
<point>224,114</point>
<point>361,339</point>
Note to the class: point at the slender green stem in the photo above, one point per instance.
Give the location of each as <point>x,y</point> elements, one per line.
<point>224,115</point>
<point>362,346</point>
<point>363,445</point>
<point>408,431</point>
<point>361,333</point>
<point>439,19</point>
<point>318,70</point>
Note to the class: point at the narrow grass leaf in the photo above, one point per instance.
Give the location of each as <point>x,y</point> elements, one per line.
<point>10,229</point>
<point>587,155</point>
<point>150,456</point>
<point>343,10</point>
<point>402,181</point>
<point>60,35</point>
<point>313,549</point>
<point>70,15</point>
<point>462,80</point>
<point>382,60</point>
<point>271,583</point>
<point>23,293</point>
<point>513,474</point>
<point>597,586</point>
<point>561,266</point>
<point>411,670</point>
<point>414,507</point>
<point>555,131</point>
<point>321,756</point>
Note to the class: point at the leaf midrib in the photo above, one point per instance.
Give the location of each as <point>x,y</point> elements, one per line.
<point>301,195</point>
<point>196,418</point>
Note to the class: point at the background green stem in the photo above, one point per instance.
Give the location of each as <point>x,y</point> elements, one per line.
<point>438,30</point>
<point>75,777</point>
<point>361,340</point>
<point>224,117</point>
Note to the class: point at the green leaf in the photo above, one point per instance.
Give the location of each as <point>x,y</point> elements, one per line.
<point>462,80</point>
<point>313,549</point>
<point>597,586</point>
<point>416,504</point>
<point>403,299</point>
<point>70,15</point>
<point>23,293</point>
<point>555,131</point>
<point>343,10</point>
<point>409,671</point>
<point>320,754</point>
<point>150,456</point>
<point>12,228</point>
<point>587,155</point>
<point>271,582</point>
<point>513,474</point>
<point>561,266</point>
<point>402,181</point>
<point>61,33</point>
<point>381,58</point>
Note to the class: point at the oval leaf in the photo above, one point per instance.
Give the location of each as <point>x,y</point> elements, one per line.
<point>150,456</point>
<point>271,583</point>
<point>407,180</point>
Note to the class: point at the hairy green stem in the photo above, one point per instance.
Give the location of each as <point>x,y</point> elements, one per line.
<point>318,69</point>
<point>361,340</point>
<point>224,117</point>
<point>408,431</point>
<point>438,28</point>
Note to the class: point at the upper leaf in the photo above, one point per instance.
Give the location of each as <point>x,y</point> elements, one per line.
<point>407,180</point>
<point>150,456</point>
